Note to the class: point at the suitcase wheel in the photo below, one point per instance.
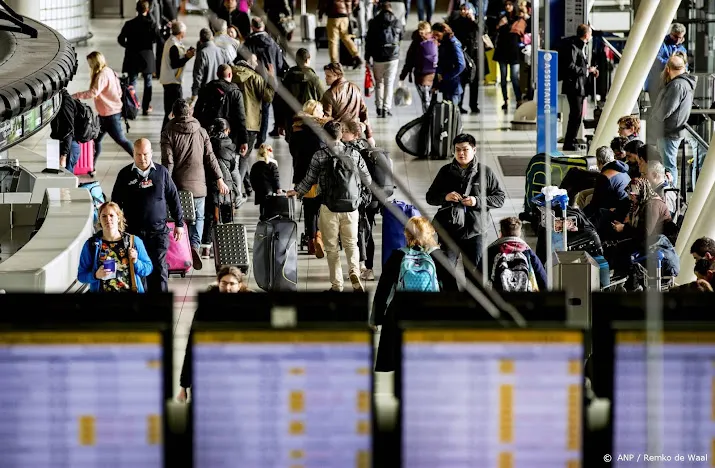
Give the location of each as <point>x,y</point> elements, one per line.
<point>183,274</point>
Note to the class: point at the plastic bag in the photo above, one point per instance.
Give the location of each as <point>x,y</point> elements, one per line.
<point>369,83</point>
<point>403,98</point>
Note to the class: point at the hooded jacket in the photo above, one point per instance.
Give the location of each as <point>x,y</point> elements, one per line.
<point>233,110</point>
<point>304,143</point>
<point>225,151</point>
<point>422,58</point>
<point>513,245</point>
<point>672,107</point>
<point>611,190</point>
<point>255,92</point>
<point>450,65</point>
<point>185,152</point>
<point>268,52</point>
<point>303,84</point>
<point>383,38</point>
<point>343,101</point>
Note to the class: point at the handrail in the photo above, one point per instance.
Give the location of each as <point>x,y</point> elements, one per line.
<point>77,288</point>
<point>610,46</point>
<point>697,137</point>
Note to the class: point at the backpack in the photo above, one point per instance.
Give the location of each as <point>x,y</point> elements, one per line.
<point>418,272</point>
<point>98,197</point>
<point>379,165</point>
<point>130,103</point>
<point>86,123</point>
<point>342,184</point>
<point>512,273</point>
<point>213,104</point>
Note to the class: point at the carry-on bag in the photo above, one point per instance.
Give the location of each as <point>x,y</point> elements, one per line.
<point>230,242</point>
<point>444,126</point>
<point>410,137</point>
<point>186,199</point>
<point>308,24</point>
<point>178,258</point>
<point>321,37</point>
<point>85,163</point>
<point>393,229</point>
<point>275,255</point>
<point>278,205</point>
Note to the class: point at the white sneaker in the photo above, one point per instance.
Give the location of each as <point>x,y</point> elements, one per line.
<point>357,285</point>
<point>362,268</point>
<point>367,274</point>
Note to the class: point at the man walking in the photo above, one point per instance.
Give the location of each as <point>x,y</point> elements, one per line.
<point>172,67</point>
<point>144,191</point>
<point>575,72</point>
<point>209,57</point>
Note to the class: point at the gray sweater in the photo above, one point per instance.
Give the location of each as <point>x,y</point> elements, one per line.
<point>209,57</point>
<point>672,107</point>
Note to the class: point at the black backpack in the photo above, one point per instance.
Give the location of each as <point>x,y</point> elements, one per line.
<point>379,165</point>
<point>342,184</point>
<point>470,71</point>
<point>86,123</point>
<point>130,103</point>
<point>212,106</point>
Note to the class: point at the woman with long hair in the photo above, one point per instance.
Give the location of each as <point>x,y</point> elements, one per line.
<point>105,90</point>
<point>450,65</point>
<point>507,50</point>
<point>112,260</point>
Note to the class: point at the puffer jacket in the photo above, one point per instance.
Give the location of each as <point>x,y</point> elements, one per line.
<point>343,101</point>
<point>304,144</point>
<point>383,38</point>
<point>255,92</point>
<point>185,152</point>
<point>337,8</point>
<point>225,151</point>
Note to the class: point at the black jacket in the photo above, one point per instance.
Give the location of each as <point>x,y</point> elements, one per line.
<point>138,36</point>
<point>225,152</point>
<point>467,31</point>
<point>145,200</point>
<point>62,126</point>
<point>265,180</point>
<point>453,178</point>
<point>304,143</point>
<point>233,108</point>
<point>574,68</point>
<point>383,38</point>
<point>383,314</point>
<point>240,20</point>
<point>268,52</point>
<point>611,190</point>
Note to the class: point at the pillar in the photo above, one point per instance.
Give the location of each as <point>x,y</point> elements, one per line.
<point>618,101</point>
<point>28,8</point>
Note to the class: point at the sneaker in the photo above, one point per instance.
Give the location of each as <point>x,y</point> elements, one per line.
<point>379,113</point>
<point>319,247</point>
<point>362,267</point>
<point>196,257</point>
<point>206,252</point>
<point>463,111</point>
<point>386,113</point>
<point>368,275</point>
<point>357,284</point>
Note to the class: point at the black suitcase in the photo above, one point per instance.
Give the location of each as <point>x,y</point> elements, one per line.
<point>321,37</point>
<point>275,255</point>
<point>444,125</point>
<point>278,206</point>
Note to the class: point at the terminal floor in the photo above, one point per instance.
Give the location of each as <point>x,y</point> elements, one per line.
<point>415,175</point>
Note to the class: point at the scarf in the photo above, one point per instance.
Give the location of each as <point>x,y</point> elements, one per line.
<point>644,194</point>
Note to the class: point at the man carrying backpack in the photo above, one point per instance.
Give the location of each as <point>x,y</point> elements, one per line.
<point>511,264</point>
<point>339,172</point>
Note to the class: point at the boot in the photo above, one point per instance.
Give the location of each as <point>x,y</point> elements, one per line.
<point>319,247</point>
<point>311,247</point>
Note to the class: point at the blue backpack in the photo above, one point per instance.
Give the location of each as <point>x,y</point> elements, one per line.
<point>417,272</point>
<point>95,190</point>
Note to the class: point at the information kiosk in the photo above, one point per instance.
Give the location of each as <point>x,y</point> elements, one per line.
<point>84,380</point>
<point>282,381</point>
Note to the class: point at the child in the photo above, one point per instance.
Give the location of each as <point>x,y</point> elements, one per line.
<point>264,175</point>
<point>422,59</point>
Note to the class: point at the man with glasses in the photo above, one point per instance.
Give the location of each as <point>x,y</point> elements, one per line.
<point>672,43</point>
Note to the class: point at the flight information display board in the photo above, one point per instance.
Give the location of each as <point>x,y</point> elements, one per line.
<point>81,399</point>
<point>688,395</point>
<point>282,399</point>
<point>492,398</point>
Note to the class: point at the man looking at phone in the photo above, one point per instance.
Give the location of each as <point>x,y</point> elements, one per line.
<point>173,63</point>
<point>456,188</point>
<point>575,71</point>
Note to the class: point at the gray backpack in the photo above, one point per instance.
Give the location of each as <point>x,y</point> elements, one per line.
<point>342,184</point>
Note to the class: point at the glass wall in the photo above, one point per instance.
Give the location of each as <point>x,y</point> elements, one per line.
<point>69,17</point>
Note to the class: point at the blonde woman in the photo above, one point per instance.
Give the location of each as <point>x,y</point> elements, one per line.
<point>406,269</point>
<point>265,178</point>
<point>112,260</point>
<point>106,92</point>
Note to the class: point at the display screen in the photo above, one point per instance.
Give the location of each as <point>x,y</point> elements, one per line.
<point>687,389</point>
<point>482,398</point>
<point>278,399</point>
<point>81,399</point>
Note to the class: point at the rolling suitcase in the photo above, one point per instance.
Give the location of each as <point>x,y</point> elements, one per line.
<point>321,37</point>
<point>85,163</point>
<point>187,206</point>
<point>307,26</point>
<point>275,255</point>
<point>230,246</point>
<point>393,229</point>
<point>444,125</point>
<point>278,206</point>
<point>178,257</point>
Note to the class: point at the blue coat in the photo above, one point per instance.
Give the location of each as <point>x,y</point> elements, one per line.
<point>450,65</point>
<point>89,262</point>
<point>667,48</point>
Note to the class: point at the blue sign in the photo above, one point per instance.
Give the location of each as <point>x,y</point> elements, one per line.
<point>547,89</point>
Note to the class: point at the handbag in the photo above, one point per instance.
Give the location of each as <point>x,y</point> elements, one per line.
<point>488,44</point>
<point>369,83</point>
<point>132,279</point>
<point>288,24</point>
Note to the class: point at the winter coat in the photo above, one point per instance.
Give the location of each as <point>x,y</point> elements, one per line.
<point>451,64</point>
<point>343,101</point>
<point>138,36</point>
<point>265,180</point>
<point>513,245</point>
<point>186,151</point>
<point>453,178</point>
<point>255,92</point>
<point>508,46</point>
<point>611,190</point>
<point>575,66</point>
<point>422,58</point>
<point>667,48</point>
<point>229,45</point>
<point>383,38</point>
<point>89,262</point>
<point>268,52</point>
<point>304,143</point>
<point>337,8</point>
<point>672,108</point>
<point>209,57</point>
<point>233,110</point>
<point>303,84</point>
<point>227,158</point>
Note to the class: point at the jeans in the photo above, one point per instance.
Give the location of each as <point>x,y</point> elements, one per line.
<point>699,154</point>
<point>338,30</point>
<point>514,80</point>
<point>343,226</point>
<point>575,118</point>
<point>366,241</point>
<point>111,124</point>
<point>668,147</point>
<point>425,94</point>
<point>172,92</point>
<point>73,157</point>
<point>157,245</point>
<point>196,230</point>
<point>385,74</point>
<point>425,8</point>
<point>265,114</point>
<point>146,96</point>
<point>471,248</point>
